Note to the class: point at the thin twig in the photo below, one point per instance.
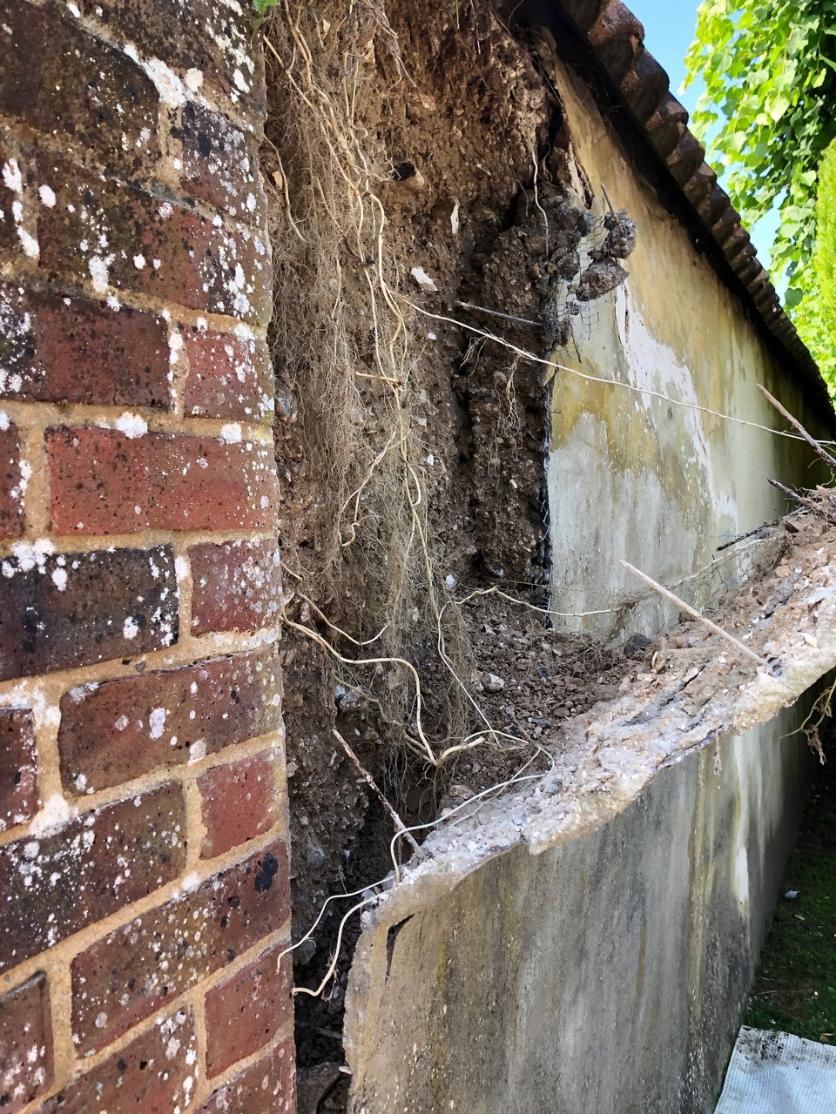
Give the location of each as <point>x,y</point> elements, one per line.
<point>496,313</point>
<point>612,210</point>
<point>574,341</point>
<point>378,792</point>
<point>686,607</point>
<point>554,365</point>
<point>749,534</point>
<point>631,602</point>
<point>826,457</point>
<point>805,501</point>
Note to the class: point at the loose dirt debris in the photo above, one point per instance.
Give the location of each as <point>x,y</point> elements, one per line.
<point>608,719</point>
<point>688,689</point>
<point>487,211</point>
<point>528,680</point>
<point>692,690</point>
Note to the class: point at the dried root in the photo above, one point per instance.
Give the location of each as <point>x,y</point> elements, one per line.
<point>345,355</point>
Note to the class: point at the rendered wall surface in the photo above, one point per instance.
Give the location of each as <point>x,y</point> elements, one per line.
<point>607,973</point>
<point>143,860</point>
<point>635,476</point>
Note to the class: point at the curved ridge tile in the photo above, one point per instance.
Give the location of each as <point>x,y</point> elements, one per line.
<point>645,86</point>
<point>584,12</point>
<point>616,38</point>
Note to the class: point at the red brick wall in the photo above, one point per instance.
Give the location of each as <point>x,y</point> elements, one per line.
<point>143,860</point>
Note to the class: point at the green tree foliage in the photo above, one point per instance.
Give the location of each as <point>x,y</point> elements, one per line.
<point>816,313</point>
<point>767,116</point>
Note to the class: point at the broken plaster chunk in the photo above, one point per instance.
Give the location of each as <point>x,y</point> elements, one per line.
<point>621,237</point>
<point>423,279</point>
<point>493,683</point>
<point>598,279</point>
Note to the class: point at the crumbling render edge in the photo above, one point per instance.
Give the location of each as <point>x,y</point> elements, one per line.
<point>609,756</point>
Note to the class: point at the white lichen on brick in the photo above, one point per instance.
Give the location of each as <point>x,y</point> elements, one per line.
<point>132,425</point>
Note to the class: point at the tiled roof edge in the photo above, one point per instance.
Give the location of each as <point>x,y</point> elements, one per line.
<point>615,37</point>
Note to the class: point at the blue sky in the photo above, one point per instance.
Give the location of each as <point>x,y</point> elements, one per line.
<point>668,30</point>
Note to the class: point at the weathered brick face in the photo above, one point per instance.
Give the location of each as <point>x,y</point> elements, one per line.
<point>211,38</point>
<point>266,1087</point>
<point>47,339</point>
<point>120,729</point>
<point>138,968</point>
<point>18,767</point>
<point>144,881</point>
<point>238,802</point>
<point>214,152</point>
<point>229,376</point>
<point>104,482</point>
<point>71,86</point>
<point>54,885</point>
<point>155,1072</point>
<point>235,586</point>
<point>25,1043</point>
<point>245,1011</point>
<point>11,483</point>
<point>154,246</point>
<point>61,610</point>
<point>12,181</point>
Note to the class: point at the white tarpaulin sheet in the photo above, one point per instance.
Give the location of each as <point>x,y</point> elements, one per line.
<point>777,1073</point>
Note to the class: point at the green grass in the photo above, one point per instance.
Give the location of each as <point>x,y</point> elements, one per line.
<point>795,987</point>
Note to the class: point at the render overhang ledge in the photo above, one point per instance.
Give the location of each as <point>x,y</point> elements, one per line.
<point>607,757</point>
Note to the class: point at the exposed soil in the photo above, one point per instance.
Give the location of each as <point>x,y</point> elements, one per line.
<point>527,679</point>
<point>473,207</point>
<point>486,213</point>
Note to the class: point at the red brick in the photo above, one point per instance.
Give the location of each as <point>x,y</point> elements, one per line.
<point>229,376</point>
<point>235,586</point>
<point>67,84</point>
<point>266,1087</point>
<point>155,246</point>
<point>71,609</point>
<point>202,35</point>
<point>123,728</point>
<point>12,184</point>
<point>61,349</point>
<point>136,969</point>
<point>54,885</point>
<point>247,1011</point>
<point>238,802</point>
<point>12,485</point>
<point>18,767</point>
<point>104,482</point>
<point>25,1044</point>
<point>219,163</point>
<point>155,1074</point>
